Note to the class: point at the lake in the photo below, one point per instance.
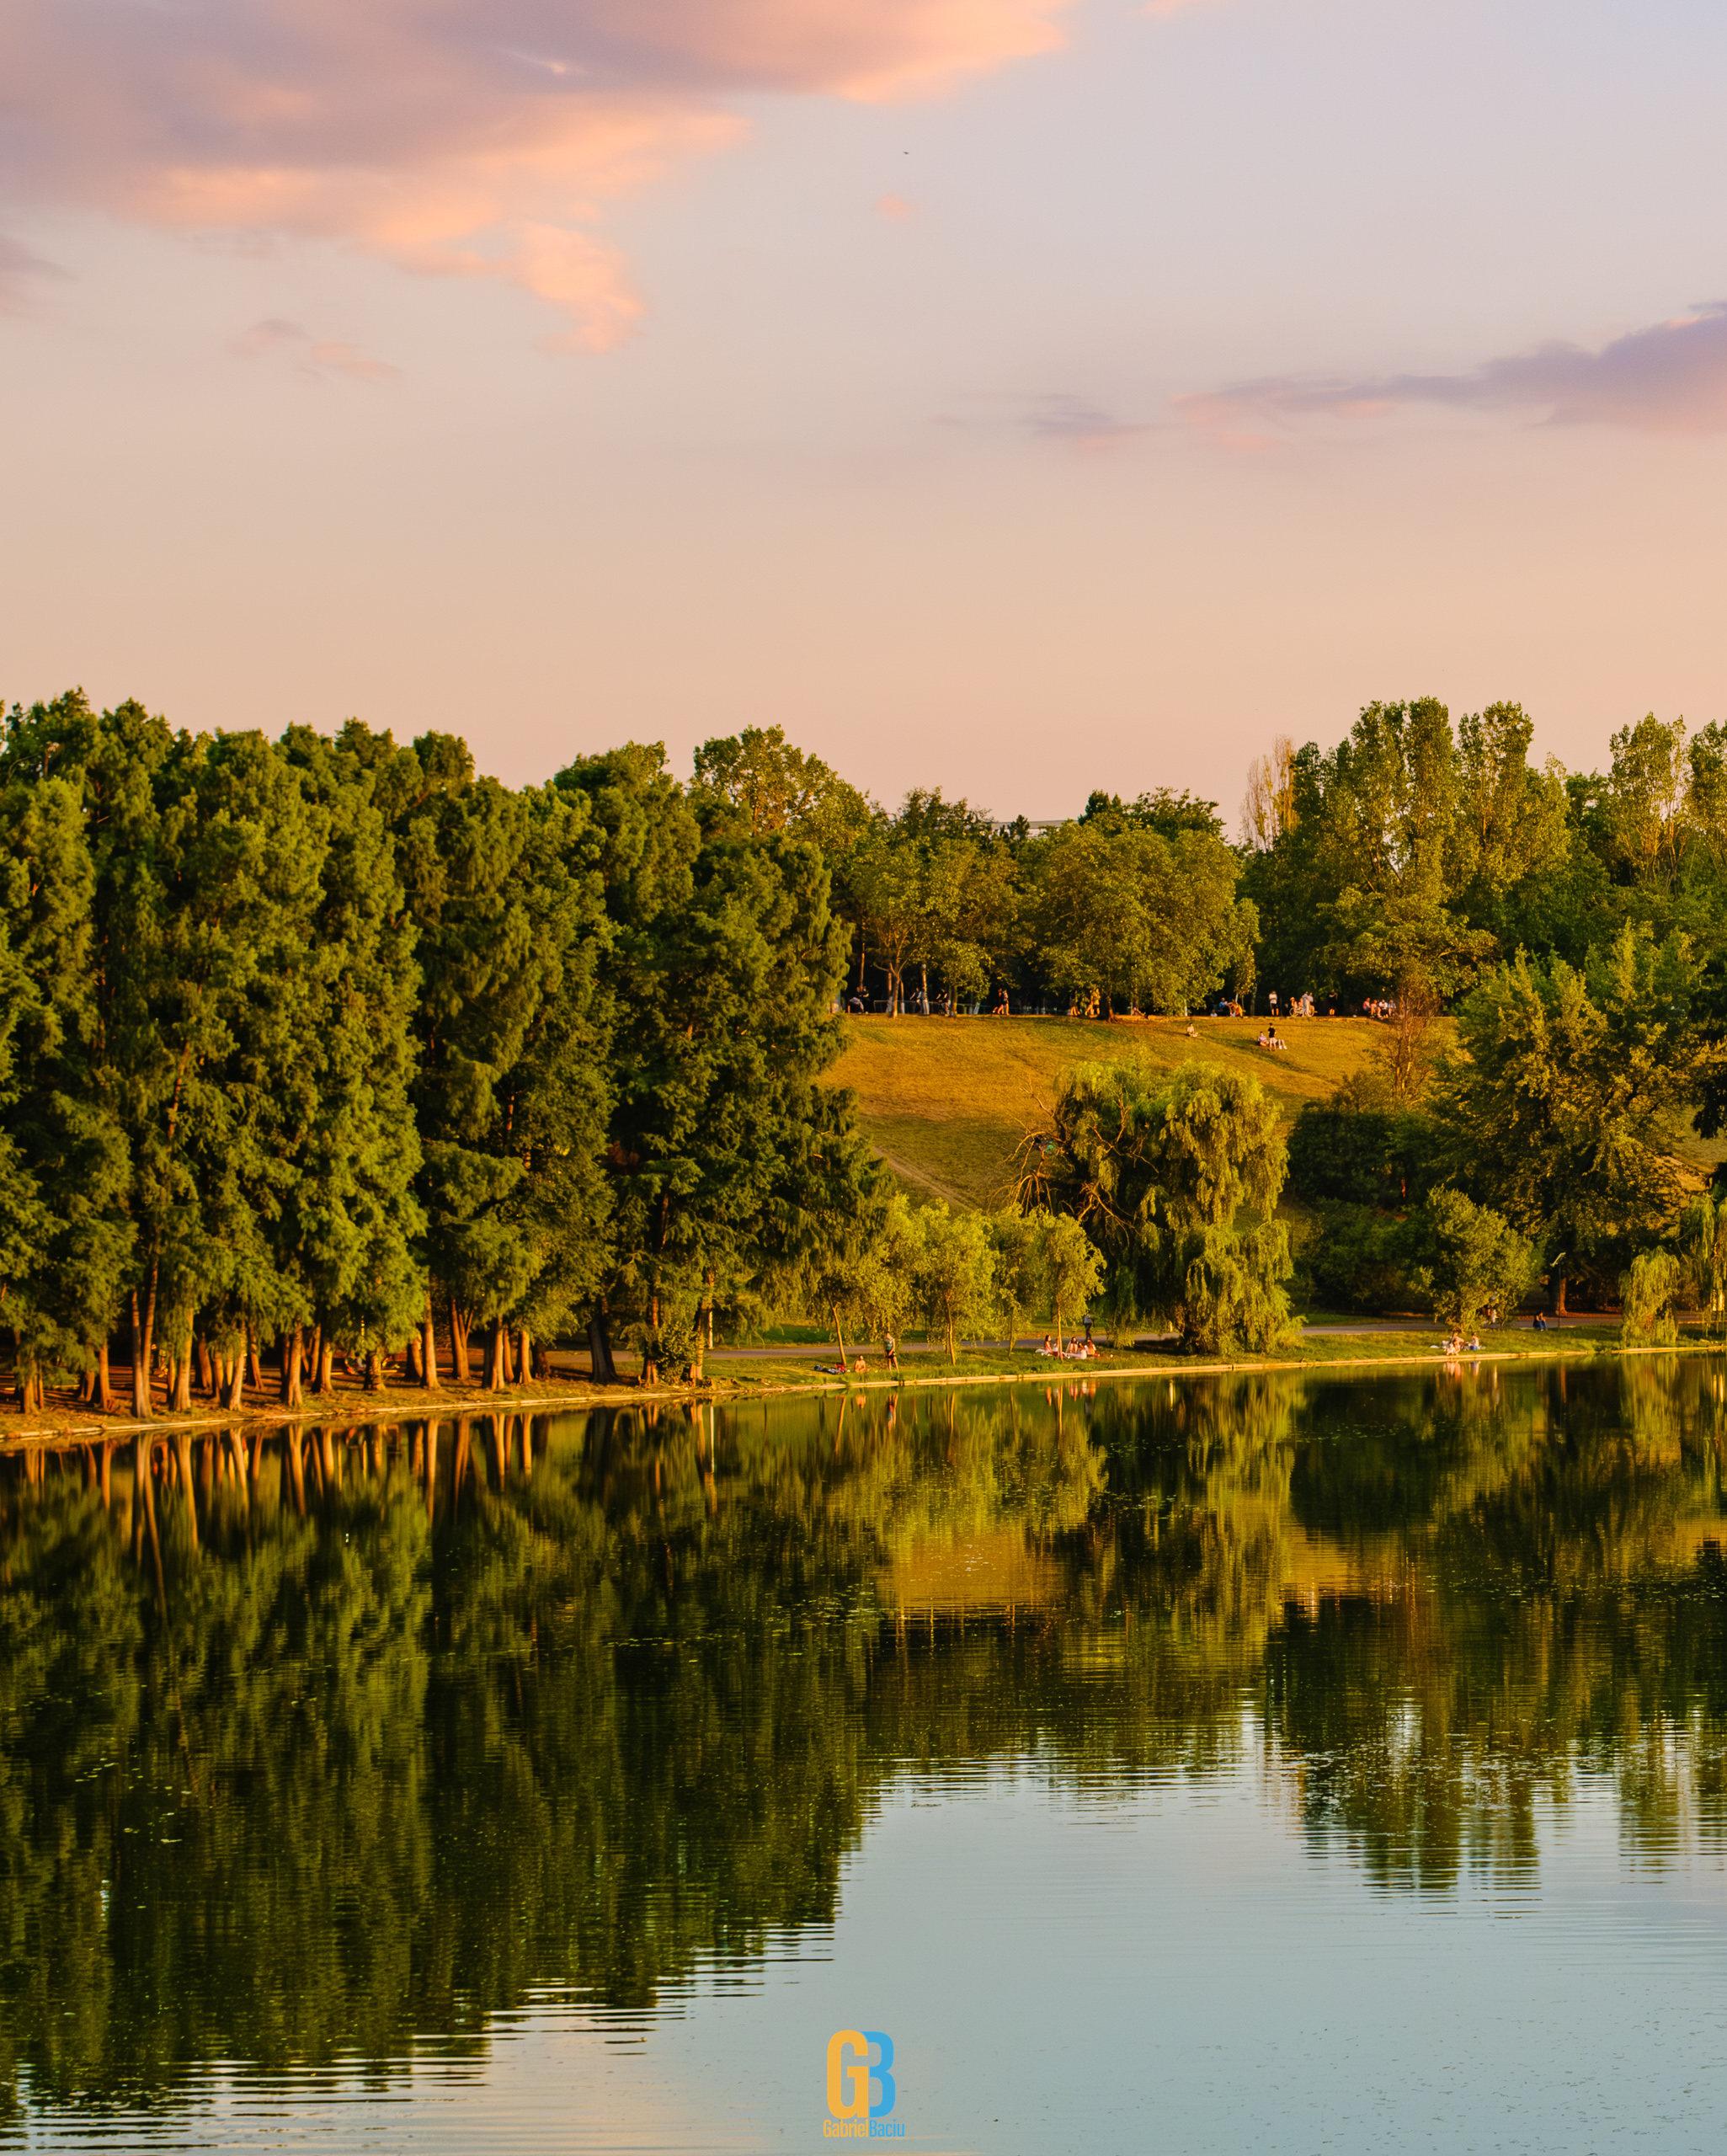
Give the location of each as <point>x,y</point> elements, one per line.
<point>1290,1761</point>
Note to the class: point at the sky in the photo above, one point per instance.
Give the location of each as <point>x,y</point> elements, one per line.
<point>1012,396</point>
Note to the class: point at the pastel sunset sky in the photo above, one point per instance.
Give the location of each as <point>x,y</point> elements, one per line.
<point>1018,396</point>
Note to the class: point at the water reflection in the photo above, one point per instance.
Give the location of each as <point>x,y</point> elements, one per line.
<point>318,1745</point>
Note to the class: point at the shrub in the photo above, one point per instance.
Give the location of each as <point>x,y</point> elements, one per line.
<point>1464,1258</point>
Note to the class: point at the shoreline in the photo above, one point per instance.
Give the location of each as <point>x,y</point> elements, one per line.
<point>358,1409</point>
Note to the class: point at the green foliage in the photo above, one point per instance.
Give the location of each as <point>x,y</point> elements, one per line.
<point>1556,1108</point>
<point>1175,1180</point>
<point>320,1032</point>
<point>1353,1258</point>
<point>934,887</point>
<point>1020,1283</point>
<point>955,1276</point>
<point>1463,1258</point>
<point>757,784</point>
<point>1650,1287</point>
<point>1361,1156</point>
<point>1071,1266</point>
<point>1703,1252</point>
<point>1120,909</point>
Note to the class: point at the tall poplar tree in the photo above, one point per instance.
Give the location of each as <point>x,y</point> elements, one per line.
<point>511,1091</point>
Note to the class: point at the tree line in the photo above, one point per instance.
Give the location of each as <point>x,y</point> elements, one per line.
<point>321,1046</point>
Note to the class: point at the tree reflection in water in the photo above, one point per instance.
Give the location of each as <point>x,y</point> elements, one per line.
<point>361,1735</point>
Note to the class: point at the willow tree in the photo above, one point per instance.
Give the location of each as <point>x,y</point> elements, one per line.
<point>1175,1180</point>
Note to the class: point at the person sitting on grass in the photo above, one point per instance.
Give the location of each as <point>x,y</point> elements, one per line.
<point>1475,1343</point>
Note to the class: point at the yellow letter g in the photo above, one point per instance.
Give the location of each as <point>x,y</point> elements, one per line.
<point>856,2072</point>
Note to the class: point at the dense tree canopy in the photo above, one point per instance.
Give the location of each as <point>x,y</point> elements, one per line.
<point>323,1048</point>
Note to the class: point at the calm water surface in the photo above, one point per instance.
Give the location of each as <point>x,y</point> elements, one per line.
<point>1280,1762</point>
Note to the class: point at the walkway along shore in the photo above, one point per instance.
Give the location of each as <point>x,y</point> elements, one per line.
<point>356,1408</point>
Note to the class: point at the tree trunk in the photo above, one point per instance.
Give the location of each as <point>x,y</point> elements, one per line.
<point>429,1348</point>
<point>145,1455</point>
<point>600,1348</point>
<point>326,1364</point>
<point>459,1371</point>
<point>207,1373</point>
<point>497,1350</point>
<point>140,1364</point>
<point>374,1370</point>
<point>104,1388</point>
<point>183,1379</point>
<point>234,1385</point>
<point>254,1365</point>
<point>1558,1297</point>
<point>290,1367</point>
<point>183,1460</point>
<point>524,1355</point>
<point>411,1359</point>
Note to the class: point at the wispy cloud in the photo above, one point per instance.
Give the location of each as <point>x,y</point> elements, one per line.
<point>474,138</point>
<point>1078,423</point>
<point>894,206</point>
<point>1670,378</point>
<point>23,274</point>
<point>313,359</point>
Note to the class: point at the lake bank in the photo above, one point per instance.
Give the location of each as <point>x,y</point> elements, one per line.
<point>771,1377</point>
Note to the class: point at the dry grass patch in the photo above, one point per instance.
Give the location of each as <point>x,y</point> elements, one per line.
<point>944,1100</point>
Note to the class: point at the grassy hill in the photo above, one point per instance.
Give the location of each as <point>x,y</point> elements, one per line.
<point>945,1100</point>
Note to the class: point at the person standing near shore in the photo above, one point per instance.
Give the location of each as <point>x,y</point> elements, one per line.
<point>890,1348</point>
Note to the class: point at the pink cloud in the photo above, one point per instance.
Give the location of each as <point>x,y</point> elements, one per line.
<point>1670,378</point>
<point>894,206</point>
<point>471,137</point>
<point>313,359</point>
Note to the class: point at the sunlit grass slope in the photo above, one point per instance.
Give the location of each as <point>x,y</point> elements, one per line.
<point>945,1100</point>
